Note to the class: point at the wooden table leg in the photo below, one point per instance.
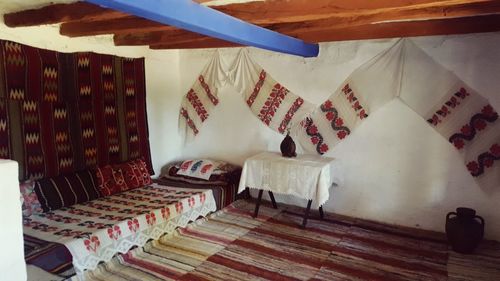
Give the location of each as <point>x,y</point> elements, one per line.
<point>271,195</point>
<point>321,214</point>
<point>257,205</point>
<point>306,214</point>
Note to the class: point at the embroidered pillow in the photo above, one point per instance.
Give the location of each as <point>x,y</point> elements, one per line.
<point>202,169</point>
<point>29,199</point>
<point>66,190</point>
<point>131,174</point>
<point>144,173</point>
<point>110,181</point>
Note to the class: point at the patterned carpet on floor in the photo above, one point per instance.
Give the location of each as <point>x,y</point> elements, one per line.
<point>231,245</point>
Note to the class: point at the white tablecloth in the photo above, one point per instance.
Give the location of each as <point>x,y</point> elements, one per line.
<point>305,176</point>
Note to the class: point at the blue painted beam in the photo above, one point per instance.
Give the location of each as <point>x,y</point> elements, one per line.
<point>194,17</point>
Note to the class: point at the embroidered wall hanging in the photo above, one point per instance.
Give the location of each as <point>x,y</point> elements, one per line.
<point>201,98</point>
<point>61,112</point>
<point>356,98</point>
<point>453,109</point>
<point>270,101</point>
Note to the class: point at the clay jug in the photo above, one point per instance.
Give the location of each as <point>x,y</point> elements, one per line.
<point>287,147</point>
<point>464,230</point>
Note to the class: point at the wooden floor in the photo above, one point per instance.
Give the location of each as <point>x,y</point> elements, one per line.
<point>231,245</point>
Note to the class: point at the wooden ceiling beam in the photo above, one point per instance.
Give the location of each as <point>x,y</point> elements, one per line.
<point>61,13</point>
<point>58,13</point>
<point>478,24</point>
<point>298,11</point>
<point>201,43</point>
<point>449,9</point>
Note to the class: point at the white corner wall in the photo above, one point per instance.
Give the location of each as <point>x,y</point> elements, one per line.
<point>397,169</point>
<point>12,265</point>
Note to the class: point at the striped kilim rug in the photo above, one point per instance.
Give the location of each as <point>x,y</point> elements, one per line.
<point>231,245</point>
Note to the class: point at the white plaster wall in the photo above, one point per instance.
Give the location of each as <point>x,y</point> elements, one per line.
<point>397,169</point>
<point>162,79</point>
<point>12,265</point>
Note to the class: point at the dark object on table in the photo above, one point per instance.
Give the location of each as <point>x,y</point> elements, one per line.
<point>287,147</point>
<point>464,230</point>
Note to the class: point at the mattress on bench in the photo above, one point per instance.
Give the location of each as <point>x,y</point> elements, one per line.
<point>97,230</point>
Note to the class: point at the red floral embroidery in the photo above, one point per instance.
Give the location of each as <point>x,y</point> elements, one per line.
<point>328,104</point>
<point>205,86</point>
<point>92,244</point>
<point>165,213</point>
<point>256,90</point>
<point>133,225</point>
<point>203,197</point>
<point>434,120</point>
<point>495,150</point>
<point>197,105</point>
<point>341,134</point>
<point>189,121</point>
<point>473,167</point>
<point>330,116</point>
<point>114,232</point>
<point>289,115</point>
<point>478,122</point>
<point>324,148</point>
<point>191,202</point>
<point>179,207</point>
<point>355,104</point>
<point>151,218</point>
<point>313,129</point>
<point>458,143</point>
<point>444,110</point>
<point>314,140</point>
<point>273,102</point>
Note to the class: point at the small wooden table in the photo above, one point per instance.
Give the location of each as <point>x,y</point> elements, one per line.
<point>305,176</point>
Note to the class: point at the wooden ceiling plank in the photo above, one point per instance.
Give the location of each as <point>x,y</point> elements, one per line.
<point>202,43</point>
<point>478,24</point>
<point>420,12</point>
<point>58,13</point>
<point>270,13</point>
<point>200,19</point>
<point>449,9</point>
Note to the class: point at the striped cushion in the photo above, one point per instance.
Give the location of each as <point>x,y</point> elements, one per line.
<point>66,190</point>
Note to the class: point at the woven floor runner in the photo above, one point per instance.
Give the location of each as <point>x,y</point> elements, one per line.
<point>231,245</point>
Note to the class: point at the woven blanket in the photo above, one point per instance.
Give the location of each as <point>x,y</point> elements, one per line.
<point>96,230</point>
<point>230,245</point>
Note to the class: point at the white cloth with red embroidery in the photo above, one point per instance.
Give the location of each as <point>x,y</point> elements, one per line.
<point>454,110</point>
<point>459,114</point>
<point>368,88</point>
<point>274,105</point>
<point>201,98</point>
<point>305,176</point>
<point>97,230</point>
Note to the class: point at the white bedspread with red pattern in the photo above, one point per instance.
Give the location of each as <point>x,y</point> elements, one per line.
<point>97,230</point>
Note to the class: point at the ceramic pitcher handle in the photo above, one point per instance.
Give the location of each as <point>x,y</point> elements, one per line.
<point>449,214</point>
<point>481,219</point>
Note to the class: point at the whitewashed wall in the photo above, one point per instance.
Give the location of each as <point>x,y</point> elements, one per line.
<point>397,169</point>
<point>12,265</point>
